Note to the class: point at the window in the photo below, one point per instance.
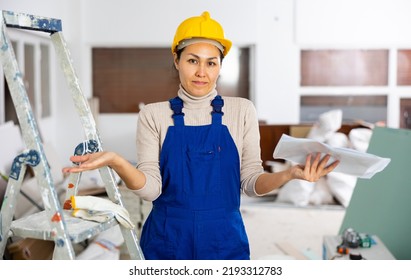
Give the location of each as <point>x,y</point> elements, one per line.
<point>355,108</point>
<point>33,56</point>
<point>344,67</point>
<point>404,67</point>
<point>355,81</point>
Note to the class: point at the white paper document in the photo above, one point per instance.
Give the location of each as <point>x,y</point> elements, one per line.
<point>352,162</point>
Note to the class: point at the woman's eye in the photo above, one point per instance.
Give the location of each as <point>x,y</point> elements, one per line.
<point>193,61</point>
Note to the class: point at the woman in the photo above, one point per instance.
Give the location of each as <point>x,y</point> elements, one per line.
<point>196,154</point>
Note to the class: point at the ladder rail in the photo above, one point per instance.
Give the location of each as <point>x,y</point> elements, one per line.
<point>32,141</point>
<point>63,248</point>
<point>9,204</point>
<point>92,134</point>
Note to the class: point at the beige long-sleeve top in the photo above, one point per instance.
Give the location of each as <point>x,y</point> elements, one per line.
<point>239,116</point>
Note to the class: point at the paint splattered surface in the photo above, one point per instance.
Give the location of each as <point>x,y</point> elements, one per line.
<point>38,226</point>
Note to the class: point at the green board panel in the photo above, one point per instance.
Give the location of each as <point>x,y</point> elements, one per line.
<point>382,205</point>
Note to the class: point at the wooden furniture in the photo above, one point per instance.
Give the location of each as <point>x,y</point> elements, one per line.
<point>271,134</point>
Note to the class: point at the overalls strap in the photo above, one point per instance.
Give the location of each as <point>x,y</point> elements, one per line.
<point>177,106</point>
<point>217,113</point>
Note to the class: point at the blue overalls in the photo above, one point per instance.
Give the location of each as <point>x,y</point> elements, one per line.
<point>197,215</point>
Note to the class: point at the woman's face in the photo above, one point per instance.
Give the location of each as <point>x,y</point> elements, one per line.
<point>199,67</point>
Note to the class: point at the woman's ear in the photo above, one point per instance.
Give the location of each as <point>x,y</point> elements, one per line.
<point>175,61</point>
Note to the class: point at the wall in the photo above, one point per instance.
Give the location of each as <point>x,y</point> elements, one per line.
<point>142,23</point>
<point>266,26</point>
<point>355,24</point>
<point>65,132</point>
<point>276,30</point>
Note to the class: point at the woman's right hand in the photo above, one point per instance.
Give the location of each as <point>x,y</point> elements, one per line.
<point>90,161</point>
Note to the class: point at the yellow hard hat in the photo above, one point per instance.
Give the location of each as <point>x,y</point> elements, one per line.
<point>201,27</point>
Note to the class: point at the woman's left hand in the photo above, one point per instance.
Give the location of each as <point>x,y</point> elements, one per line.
<point>314,169</point>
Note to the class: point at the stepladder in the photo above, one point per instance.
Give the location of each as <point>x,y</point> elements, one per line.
<point>55,223</point>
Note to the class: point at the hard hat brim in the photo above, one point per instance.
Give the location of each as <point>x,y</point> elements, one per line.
<point>227,44</point>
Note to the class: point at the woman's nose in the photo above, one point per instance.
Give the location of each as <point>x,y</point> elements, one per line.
<point>200,70</point>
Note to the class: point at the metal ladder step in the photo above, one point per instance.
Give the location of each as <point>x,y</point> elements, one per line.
<point>37,226</point>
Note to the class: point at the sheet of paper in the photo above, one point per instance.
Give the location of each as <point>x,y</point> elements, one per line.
<point>352,162</point>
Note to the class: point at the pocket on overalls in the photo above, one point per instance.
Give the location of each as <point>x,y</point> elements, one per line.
<point>237,246</point>
<point>223,238</point>
<point>154,241</point>
<point>202,171</point>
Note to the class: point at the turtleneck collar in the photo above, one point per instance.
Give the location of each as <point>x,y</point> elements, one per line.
<point>194,102</point>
